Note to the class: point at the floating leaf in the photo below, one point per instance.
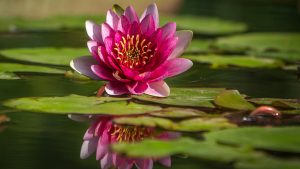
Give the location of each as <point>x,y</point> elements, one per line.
<point>8,76</point>
<point>199,149</point>
<point>178,113</point>
<point>199,46</point>
<point>15,67</point>
<point>277,102</point>
<point>55,56</point>
<point>283,46</point>
<point>206,25</point>
<point>190,125</point>
<point>283,139</point>
<point>193,97</point>
<point>80,104</point>
<point>233,100</point>
<point>240,61</point>
<point>268,162</point>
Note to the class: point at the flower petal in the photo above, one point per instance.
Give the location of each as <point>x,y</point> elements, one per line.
<point>153,11</point>
<point>158,89</point>
<point>103,72</point>
<point>131,14</point>
<point>116,88</point>
<point>83,66</point>
<point>102,150</point>
<point>93,48</point>
<point>177,66</point>
<point>144,163</point>
<point>107,31</point>
<point>147,25</point>
<point>137,87</point>
<point>112,19</point>
<point>165,161</point>
<point>184,39</point>
<point>106,162</point>
<point>168,30</point>
<point>123,24</point>
<point>94,31</point>
<point>88,148</point>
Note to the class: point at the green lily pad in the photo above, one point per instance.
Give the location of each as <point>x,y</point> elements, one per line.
<point>274,163</point>
<point>8,76</point>
<point>193,97</point>
<point>15,67</point>
<point>239,61</point>
<point>277,102</point>
<point>283,46</point>
<point>190,125</point>
<point>232,99</point>
<point>199,46</point>
<point>206,25</point>
<point>178,113</point>
<point>79,104</point>
<point>51,23</point>
<point>199,149</point>
<point>55,56</point>
<point>283,139</point>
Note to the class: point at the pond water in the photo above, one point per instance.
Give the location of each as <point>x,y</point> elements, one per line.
<point>33,140</point>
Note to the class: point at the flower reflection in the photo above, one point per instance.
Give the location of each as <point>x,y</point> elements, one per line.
<point>103,132</point>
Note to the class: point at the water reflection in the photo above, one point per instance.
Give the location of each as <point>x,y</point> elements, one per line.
<point>102,132</point>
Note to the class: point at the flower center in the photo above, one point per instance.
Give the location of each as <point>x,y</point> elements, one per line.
<point>134,51</point>
<point>130,134</point>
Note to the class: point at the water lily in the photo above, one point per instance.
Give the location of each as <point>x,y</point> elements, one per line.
<point>134,54</point>
<point>102,133</point>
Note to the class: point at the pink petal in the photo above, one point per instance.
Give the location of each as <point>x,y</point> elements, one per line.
<point>93,48</point>
<point>168,30</point>
<point>153,11</point>
<point>112,19</point>
<point>177,66</point>
<point>83,66</point>
<point>131,14</point>
<point>103,72</point>
<point>165,161</point>
<point>168,135</point>
<point>116,88</point>
<point>135,29</point>
<point>158,89</point>
<point>144,163</point>
<point>94,31</point>
<point>123,25</point>
<point>184,39</point>
<point>107,31</point>
<point>137,87</point>
<point>147,25</point>
<point>106,162</point>
<point>88,148</point>
<point>102,150</point>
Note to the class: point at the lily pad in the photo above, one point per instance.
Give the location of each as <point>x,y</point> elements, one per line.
<point>178,113</point>
<point>277,102</point>
<point>190,125</point>
<point>8,76</point>
<point>199,149</point>
<point>233,100</point>
<point>15,67</point>
<point>50,23</point>
<point>206,25</point>
<point>192,97</point>
<point>80,105</point>
<point>282,139</point>
<point>55,56</point>
<point>283,46</point>
<point>199,46</point>
<point>236,60</point>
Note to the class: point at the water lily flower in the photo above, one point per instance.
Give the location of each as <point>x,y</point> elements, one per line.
<point>134,54</point>
<point>102,133</point>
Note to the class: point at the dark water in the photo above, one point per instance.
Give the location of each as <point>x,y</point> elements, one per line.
<point>40,141</point>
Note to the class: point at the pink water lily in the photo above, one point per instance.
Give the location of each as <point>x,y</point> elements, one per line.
<point>134,54</point>
<point>102,133</point>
